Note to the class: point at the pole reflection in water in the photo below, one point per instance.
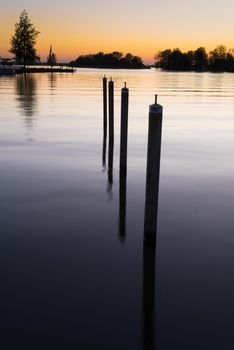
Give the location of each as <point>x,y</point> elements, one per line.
<point>149,256</point>
<point>110,167</point>
<point>52,77</point>
<point>104,153</point>
<point>26,95</point>
<point>150,227</point>
<point>148,293</point>
<point>122,203</point>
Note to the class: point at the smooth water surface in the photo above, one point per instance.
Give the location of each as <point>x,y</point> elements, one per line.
<point>71,250</point>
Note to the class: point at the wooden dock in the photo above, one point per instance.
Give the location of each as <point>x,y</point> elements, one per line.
<point>12,70</point>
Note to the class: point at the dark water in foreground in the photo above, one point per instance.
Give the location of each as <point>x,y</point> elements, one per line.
<point>71,269</point>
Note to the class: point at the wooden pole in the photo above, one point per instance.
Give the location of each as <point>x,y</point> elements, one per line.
<point>150,227</point>
<point>111,110</point>
<point>104,121</point>
<point>104,107</point>
<point>153,169</point>
<point>123,162</point>
<point>124,129</point>
<point>111,134</point>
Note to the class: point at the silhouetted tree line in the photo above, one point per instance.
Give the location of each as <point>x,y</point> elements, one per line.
<point>109,60</point>
<point>218,60</point>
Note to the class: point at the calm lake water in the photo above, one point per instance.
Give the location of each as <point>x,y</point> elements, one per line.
<point>71,257</point>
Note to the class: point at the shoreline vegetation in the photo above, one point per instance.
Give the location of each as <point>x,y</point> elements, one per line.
<point>114,60</point>
<point>218,60</point>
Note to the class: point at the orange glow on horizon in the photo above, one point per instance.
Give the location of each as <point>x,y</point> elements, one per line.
<point>141,32</point>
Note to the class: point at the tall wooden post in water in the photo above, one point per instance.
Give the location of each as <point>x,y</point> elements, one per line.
<point>123,162</point>
<point>111,110</point>
<point>124,129</point>
<point>153,168</point>
<point>150,227</point>
<point>104,107</point>
<point>104,122</point>
<point>111,133</point>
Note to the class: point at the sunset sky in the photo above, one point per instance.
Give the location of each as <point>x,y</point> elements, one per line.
<point>142,28</point>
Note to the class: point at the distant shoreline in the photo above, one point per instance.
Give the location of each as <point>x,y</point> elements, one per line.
<point>117,68</point>
<point>12,71</point>
<point>196,70</point>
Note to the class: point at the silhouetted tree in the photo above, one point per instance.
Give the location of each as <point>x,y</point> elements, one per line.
<point>217,59</point>
<point>230,60</point>
<point>129,57</point>
<point>180,61</point>
<point>24,40</point>
<point>173,60</point>
<point>117,55</point>
<point>191,55</point>
<point>200,59</point>
<point>162,59</point>
<point>137,62</point>
<point>51,59</point>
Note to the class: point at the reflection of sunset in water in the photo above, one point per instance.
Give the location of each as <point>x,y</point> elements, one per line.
<point>74,270</point>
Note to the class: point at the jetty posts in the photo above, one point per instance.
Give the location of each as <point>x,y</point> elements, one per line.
<point>111,109</point>
<point>104,83</point>
<point>124,129</point>
<point>153,170</point>
<point>111,131</point>
<point>104,107</point>
<point>150,224</point>
<point>123,162</point>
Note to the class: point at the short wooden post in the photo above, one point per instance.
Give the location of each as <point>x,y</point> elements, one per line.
<point>111,110</point>
<point>124,129</point>
<point>153,169</point>
<point>104,107</point>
